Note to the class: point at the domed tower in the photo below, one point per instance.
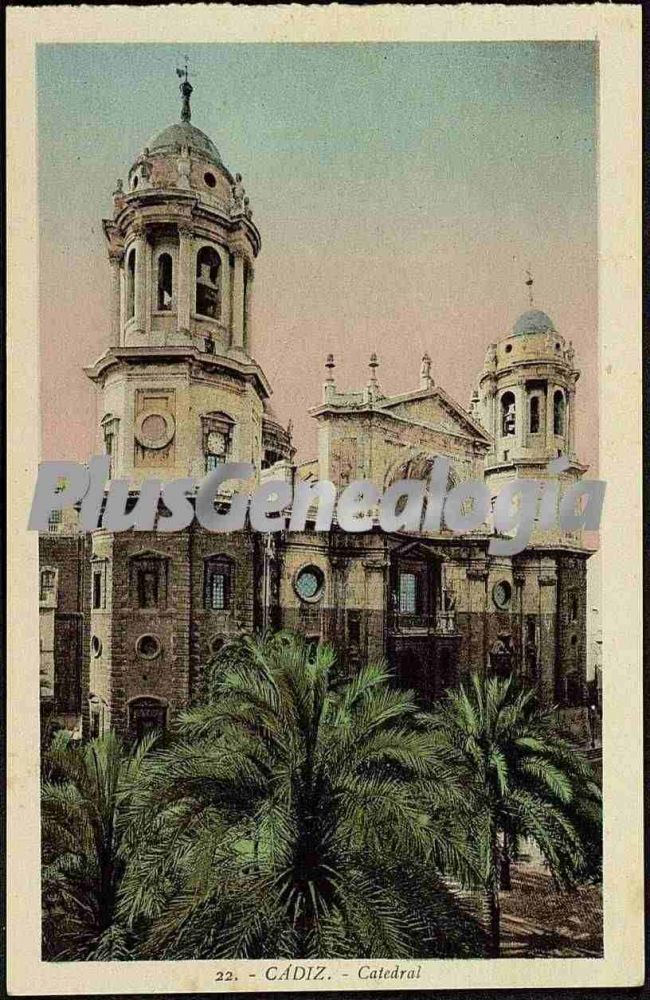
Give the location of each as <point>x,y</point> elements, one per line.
<point>180,394</point>
<point>181,391</point>
<point>526,400</point>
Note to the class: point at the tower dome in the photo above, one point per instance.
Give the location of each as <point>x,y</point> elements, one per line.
<point>533,321</point>
<point>176,136</point>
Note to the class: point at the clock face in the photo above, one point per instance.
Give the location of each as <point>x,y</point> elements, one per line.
<point>216,443</point>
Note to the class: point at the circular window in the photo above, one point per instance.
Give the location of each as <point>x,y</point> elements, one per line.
<point>308,583</point>
<point>501,594</point>
<point>154,430</point>
<point>508,348</point>
<point>210,179</point>
<point>557,347</point>
<point>148,647</point>
<point>96,646</point>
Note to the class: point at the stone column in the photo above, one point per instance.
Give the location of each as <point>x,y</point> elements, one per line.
<point>376,602</point>
<point>550,437</point>
<point>520,417</point>
<point>185,279</point>
<point>237,338</point>
<point>140,245</point>
<point>477,576</point>
<point>148,281</point>
<point>248,310</point>
<point>547,632</point>
<point>115,259</point>
<point>570,421</point>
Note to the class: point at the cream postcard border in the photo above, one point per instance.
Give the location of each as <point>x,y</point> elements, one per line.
<point>618,30</point>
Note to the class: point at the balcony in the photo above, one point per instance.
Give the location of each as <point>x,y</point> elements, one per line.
<point>437,624</point>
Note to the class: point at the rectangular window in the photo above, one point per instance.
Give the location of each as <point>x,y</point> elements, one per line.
<point>99,586</point>
<point>407,593</point>
<point>218,591</point>
<point>48,583</point>
<point>148,588</point>
<point>212,461</point>
<point>54,521</point>
<point>218,585</point>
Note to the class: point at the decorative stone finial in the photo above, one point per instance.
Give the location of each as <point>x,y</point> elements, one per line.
<point>238,192</point>
<point>119,186</point>
<point>373,364</point>
<point>329,388</point>
<point>186,89</point>
<point>248,211</point>
<point>426,381</point>
<point>570,353</point>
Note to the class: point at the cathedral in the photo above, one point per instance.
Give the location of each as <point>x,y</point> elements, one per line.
<point>129,620</point>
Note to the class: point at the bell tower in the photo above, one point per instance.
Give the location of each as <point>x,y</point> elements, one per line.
<point>526,400</point>
<point>180,389</point>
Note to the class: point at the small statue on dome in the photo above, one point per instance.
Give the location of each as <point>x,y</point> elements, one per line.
<point>248,211</point>
<point>183,168</point>
<point>491,356</point>
<point>238,192</point>
<point>118,195</point>
<point>570,353</point>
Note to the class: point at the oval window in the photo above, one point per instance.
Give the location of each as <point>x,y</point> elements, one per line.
<point>501,594</point>
<point>148,647</point>
<point>308,583</point>
<point>508,348</point>
<point>210,179</point>
<point>96,646</point>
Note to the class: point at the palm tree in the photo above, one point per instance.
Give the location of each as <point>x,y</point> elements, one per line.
<point>287,819</point>
<point>523,778</point>
<point>83,806</point>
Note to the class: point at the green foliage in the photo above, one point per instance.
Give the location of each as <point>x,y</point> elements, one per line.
<point>522,777</point>
<point>299,814</point>
<point>287,819</point>
<point>84,797</point>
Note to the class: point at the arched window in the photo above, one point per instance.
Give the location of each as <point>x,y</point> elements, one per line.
<point>165,270</point>
<point>130,284</point>
<point>208,283</point>
<point>218,583</point>
<point>558,413</point>
<point>507,415</point>
<point>534,414</point>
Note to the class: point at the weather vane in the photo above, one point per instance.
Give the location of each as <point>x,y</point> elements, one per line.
<point>186,90</point>
<point>529,283</point>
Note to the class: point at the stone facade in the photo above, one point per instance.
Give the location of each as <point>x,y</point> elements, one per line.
<point>130,619</point>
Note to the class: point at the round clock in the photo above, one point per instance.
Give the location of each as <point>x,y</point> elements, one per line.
<point>216,443</point>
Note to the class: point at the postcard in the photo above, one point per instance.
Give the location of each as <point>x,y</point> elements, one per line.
<point>324,662</point>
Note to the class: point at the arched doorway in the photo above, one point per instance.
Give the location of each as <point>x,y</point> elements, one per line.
<point>146,715</point>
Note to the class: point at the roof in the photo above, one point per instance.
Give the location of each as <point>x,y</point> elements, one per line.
<point>185,134</point>
<point>533,321</point>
